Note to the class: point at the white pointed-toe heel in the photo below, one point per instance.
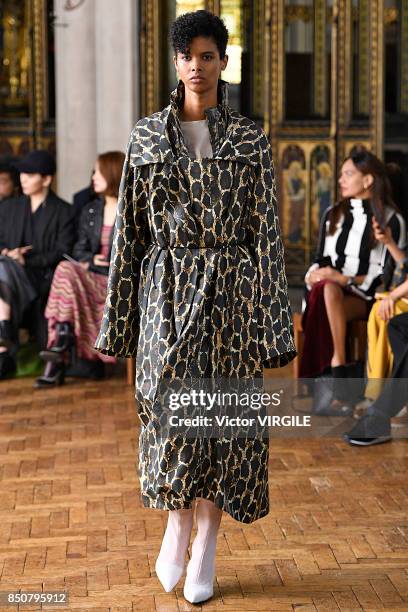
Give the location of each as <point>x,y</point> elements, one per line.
<point>168,573</point>
<point>196,592</point>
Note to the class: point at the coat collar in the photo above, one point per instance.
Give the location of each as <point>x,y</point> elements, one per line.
<point>217,117</point>
<point>159,138</point>
<point>177,97</point>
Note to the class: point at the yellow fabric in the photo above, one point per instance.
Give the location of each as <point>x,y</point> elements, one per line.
<point>380,357</point>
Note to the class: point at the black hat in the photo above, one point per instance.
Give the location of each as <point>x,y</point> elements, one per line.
<point>37,161</point>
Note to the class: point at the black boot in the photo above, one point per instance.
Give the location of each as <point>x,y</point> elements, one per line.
<point>64,343</point>
<point>54,375</point>
<point>340,386</point>
<point>8,365</point>
<point>6,334</point>
<point>341,404</point>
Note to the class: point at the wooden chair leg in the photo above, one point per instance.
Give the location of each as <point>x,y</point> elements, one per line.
<point>130,370</point>
<point>361,340</point>
<point>357,339</point>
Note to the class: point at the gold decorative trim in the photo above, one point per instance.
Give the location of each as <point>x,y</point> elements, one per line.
<point>143,61</point>
<point>320,59</point>
<point>404,57</point>
<point>364,31</point>
<point>279,86</point>
<point>301,12</point>
<point>39,57</point>
<point>267,62</point>
<point>341,83</point>
<point>258,61</point>
<point>333,72</point>
<point>377,77</point>
<point>156,61</point>
<point>346,63</point>
<point>149,57</point>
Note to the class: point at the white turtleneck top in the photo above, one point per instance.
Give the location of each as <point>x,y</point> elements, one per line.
<point>197,138</point>
<point>349,246</point>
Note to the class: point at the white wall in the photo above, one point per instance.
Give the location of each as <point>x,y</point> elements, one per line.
<point>96,85</point>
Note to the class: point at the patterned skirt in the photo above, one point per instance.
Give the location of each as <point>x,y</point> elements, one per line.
<point>78,296</point>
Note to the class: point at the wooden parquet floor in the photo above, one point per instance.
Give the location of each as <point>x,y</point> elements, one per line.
<point>71,518</point>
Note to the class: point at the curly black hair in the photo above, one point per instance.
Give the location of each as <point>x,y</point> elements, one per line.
<point>198,23</point>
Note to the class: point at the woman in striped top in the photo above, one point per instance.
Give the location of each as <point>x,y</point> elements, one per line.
<point>78,291</point>
<point>348,266</point>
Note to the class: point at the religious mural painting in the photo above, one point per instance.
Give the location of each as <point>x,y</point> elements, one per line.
<point>293,193</point>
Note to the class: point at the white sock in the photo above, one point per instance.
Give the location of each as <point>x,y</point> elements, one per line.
<point>201,567</point>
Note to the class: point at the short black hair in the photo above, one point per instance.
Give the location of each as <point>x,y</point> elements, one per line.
<point>198,23</point>
<point>6,167</point>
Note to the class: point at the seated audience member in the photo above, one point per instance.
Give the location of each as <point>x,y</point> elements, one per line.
<point>375,426</point>
<point>36,229</point>
<point>388,305</point>
<point>348,268</point>
<point>9,181</point>
<point>77,297</point>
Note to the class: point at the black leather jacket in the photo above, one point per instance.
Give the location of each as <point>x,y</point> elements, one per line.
<point>89,235</point>
<point>54,235</point>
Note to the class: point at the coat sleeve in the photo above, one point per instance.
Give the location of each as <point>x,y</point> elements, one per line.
<point>63,242</point>
<point>119,332</point>
<point>380,258</point>
<point>275,326</point>
<point>82,248</point>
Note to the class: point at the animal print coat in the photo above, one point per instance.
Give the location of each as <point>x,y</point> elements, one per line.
<point>197,288</point>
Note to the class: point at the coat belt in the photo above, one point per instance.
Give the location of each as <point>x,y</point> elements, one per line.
<point>223,245</point>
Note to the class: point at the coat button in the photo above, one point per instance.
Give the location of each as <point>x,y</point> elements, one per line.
<point>91,223</point>
<point>91,210</point>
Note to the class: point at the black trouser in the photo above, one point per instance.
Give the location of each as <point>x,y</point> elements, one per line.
<point>26,291</point>
<point>395,393</point>
<point>37,323</point>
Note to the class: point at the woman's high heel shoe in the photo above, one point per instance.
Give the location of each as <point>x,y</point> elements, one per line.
<point>169,574</point>
<point>196,592</point>
<point>53,376</point>
<point>199,583</point>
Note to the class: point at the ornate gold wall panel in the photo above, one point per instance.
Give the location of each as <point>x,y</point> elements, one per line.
<point>34,129</point>
<point>308,153</point>
<point>340,132</point>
